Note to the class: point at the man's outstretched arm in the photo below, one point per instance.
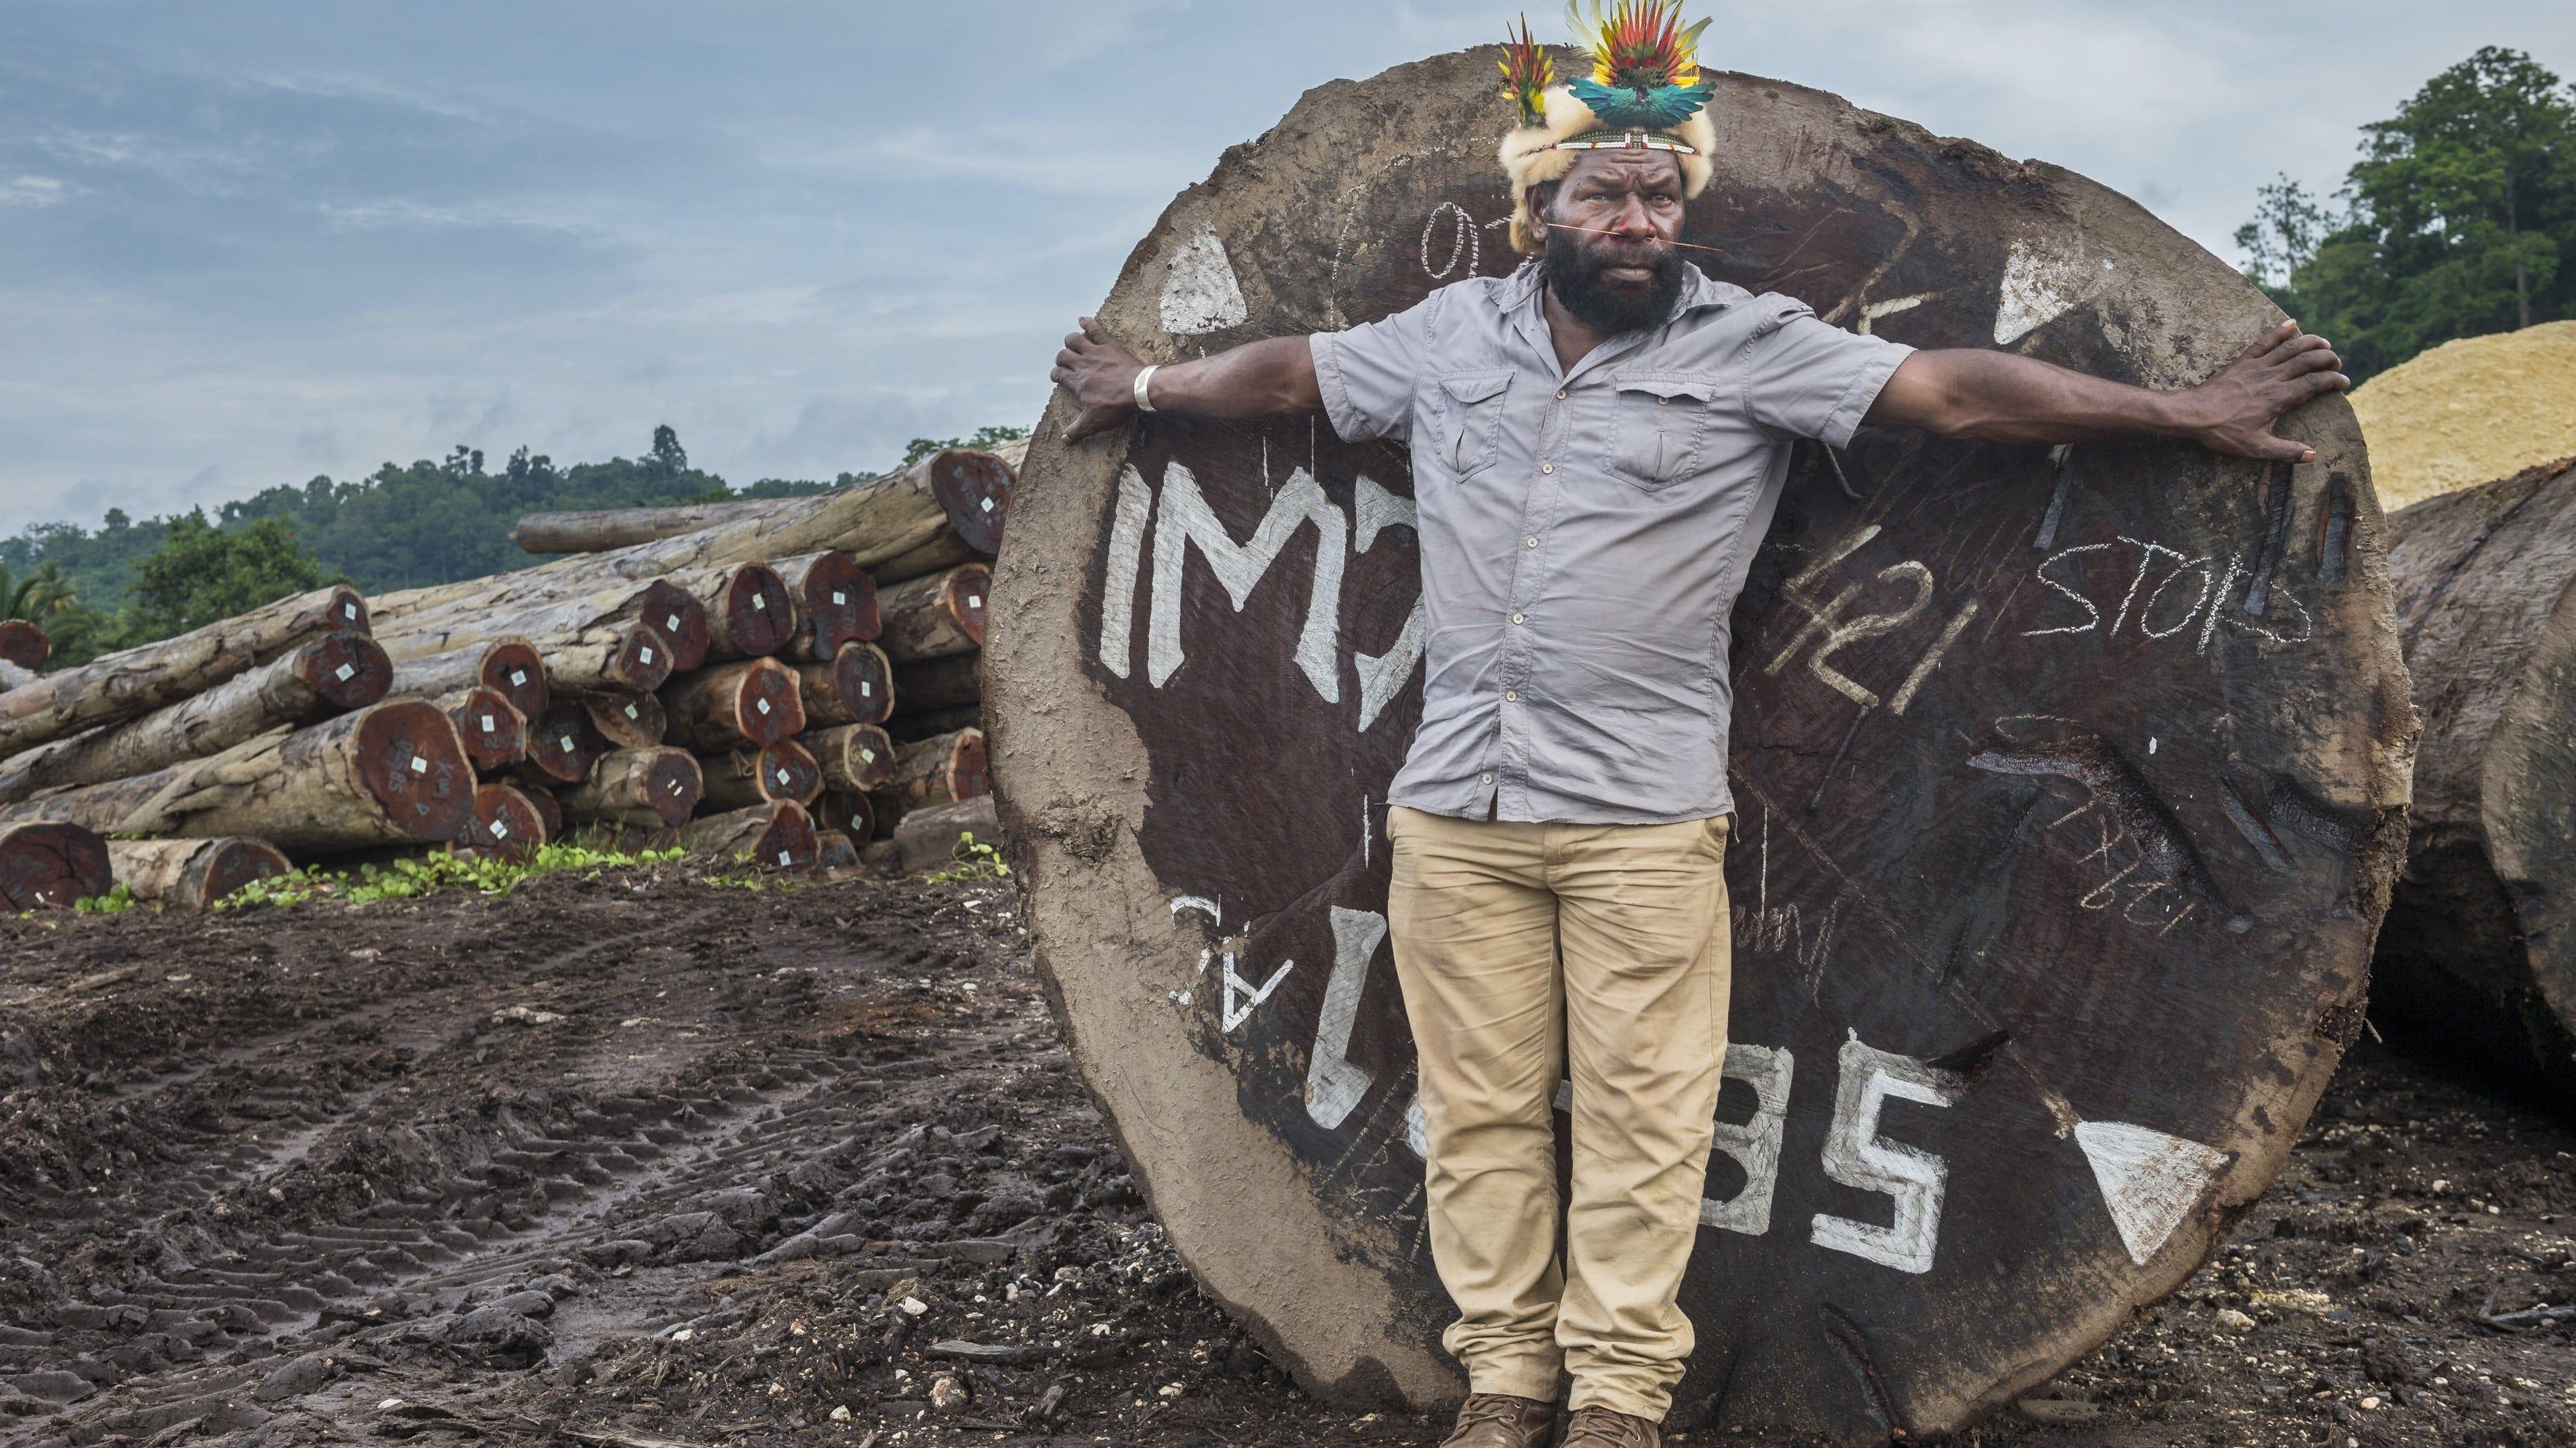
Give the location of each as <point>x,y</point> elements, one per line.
<point>1258,379</point>
<point>1999,397</point>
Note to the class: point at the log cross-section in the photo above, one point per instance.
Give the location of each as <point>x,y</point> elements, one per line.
<point>936,770</point>
<point>775,836</point>
<point>754,700</point>
<point>935,615</point>
<point>511,666</point>
<point>855,687</point>
<point>654,787</point>
<point>192,874</point>
<point>627,720</point>
<point>51,863</point>
<point>854,757</point>
<point>563,743</point>
<point>494,731</point>
<point>24,644</point>
<point>506,824</point>
<point>2068,789</point>
<point>835,599</point>
<point>740,778</point>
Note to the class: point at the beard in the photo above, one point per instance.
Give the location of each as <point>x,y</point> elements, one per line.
<point>1574,268</point>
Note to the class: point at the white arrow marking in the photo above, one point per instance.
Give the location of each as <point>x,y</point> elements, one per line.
<point>2149,1180</point>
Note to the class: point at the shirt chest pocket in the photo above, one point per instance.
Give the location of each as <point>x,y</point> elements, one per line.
<point>1471,420</point>
<point>1659,426</point>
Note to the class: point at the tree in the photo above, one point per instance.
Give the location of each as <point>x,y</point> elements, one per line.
<point>202,573</point>
<point>991,435</point>
<point>2456,219</point>
<point>36,596</point>
<point>669,458</point>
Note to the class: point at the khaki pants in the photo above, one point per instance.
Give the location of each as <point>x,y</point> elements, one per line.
<point>1515,942</point>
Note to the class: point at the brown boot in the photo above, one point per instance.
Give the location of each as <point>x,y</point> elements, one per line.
<point>1601,1428</point>
<point>1498,1420</point>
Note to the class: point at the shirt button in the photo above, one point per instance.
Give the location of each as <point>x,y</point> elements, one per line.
<point>1484,779</point>
<point>1560,396</point>
<point>1511,696</point>
<point>1547,467</point>
<point>1517,618</point>
<point>1663,402</point>
<point>1529,542</point>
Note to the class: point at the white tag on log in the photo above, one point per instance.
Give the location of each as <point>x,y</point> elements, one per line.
<point>349,611</point>
<point>986,505</point>
<point>782,776</point>
<point>762,706</point>
<point>419,764</point>
<point>867,756</point>
<point>782,857</point>
<point>974,600</point>
<point>759,601</point>
<point>867,690</point>
<point>518,678</point>
<point>839,597</point>
<point>500,830</point>
<point>675,786</point>
<point>487,723</point>
<point>346,670</point>
<point>672,623</point>
<point>647,654</point>
<point>566,742</point>
<point>631,714</point>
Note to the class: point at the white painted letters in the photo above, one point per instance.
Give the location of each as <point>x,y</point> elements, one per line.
<point>1756,1144</point>
<point>1856,1156</point>
<point>1183,518</point>
<point>1333,1085</point>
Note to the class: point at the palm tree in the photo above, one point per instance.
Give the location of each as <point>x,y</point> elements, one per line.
<point>42,592</point>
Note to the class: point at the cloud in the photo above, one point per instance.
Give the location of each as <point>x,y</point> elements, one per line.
<point>36,191</point>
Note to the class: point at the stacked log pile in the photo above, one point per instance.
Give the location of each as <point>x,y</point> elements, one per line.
<point>721,676</point>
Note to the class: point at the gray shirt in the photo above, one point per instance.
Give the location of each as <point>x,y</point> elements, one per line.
<point>1585,533</point>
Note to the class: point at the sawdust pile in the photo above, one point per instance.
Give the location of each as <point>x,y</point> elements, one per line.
<point>2470,411</point>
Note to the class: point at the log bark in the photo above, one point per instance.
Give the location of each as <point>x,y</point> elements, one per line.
<point>51,865</point>
<point>567,630</point>
<point>548,808</point>
<point>325,675</point>
<point>854,757</point>
<point>133,683</point>
<point>835,599</point>
<point>563,744</point>
<point>2476,964</point>
<point>749,611</point>
<point>941,683</point>
<point>512,666</point>
<point>777,836</point>
<point>505,825</point>
<point>935,616</point>
<point>754,701</point>
<point>649,788</point>
<point>931,771</point>
<point>388,774</point>
<point>873,520</point>
<point>24,644</point>
<point>833,850</point>
<point>856,687</point>
<point>905,728</point>
<point>930,838</point>
<point>741,778</point>
<point>2099,880</point>
<point>16,676</point>
<point>847,812</point>
<point>494,733</point>
<point>192,874</point>
<point>627,720</point>
<point>591,530</point>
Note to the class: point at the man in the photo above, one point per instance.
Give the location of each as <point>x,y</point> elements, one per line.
<point>1598,443</point>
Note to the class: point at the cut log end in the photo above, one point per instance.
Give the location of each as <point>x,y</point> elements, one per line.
<point>24,644</point>
<point>854,757</point>
<point>548,808</point>
<point>347,669</point>
<point>846,812</point>
<point>644,660</point>
<point>514,667</point>
<point>681,620</point>
<point>506,825</point>
<point>760,614</point>
<point>970,775</point>
<point>774,836</point>
<point>494,731</point>
<point>974,488</point>
<point>564,744</point>
<point>674,784</point>
<point>346,609</point>
<point>834,851</point>
<point>840,605</point>
<point>192,874</point>
<point>411,760</point>
<point>626,719</point>
<point>788,771</point>
<point>52,865</point>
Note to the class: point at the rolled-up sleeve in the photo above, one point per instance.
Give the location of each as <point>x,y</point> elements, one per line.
<point>1808,379</point>
<point>1367,374</point>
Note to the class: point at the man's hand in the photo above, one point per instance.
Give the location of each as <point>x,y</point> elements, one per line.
<point>2233,412</point>
<point>1101,375</point>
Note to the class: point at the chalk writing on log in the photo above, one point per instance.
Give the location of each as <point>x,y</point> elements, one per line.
<point>1834,624</point>
<point>2187,592</point>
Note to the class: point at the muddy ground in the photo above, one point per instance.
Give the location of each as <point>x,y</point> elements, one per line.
<point>644,1160</point>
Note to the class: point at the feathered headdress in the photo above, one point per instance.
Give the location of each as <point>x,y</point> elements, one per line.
<point>1644,93</point>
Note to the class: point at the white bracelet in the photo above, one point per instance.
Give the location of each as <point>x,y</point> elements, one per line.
<point>1144,379</point>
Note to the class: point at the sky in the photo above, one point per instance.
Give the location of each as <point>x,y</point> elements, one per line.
<point>247,243</point>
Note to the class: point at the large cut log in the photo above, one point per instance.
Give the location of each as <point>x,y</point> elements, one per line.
<point>2477,960</point>
<point>951,547</point>
<point>590,530</point>
<point>932,771</point>
<point>128,685</point>
<point>627,720</point>
<point>741,778</point>
<point>834,850</point>
<point>51,863</point>
<point>511,666</point>
<point>335,672</point>
<point>941,683</point>
<point>854,757</point>
<point>905,728</point>
<point>847,812</point>
<point>935,615</point>
<point>192,874</point>
<point>24,644</point>
<point>388,774</point>
<point>956,490</point>
<point>776,836</point>
<point>506,825</point>
<point>754,700</point>
<point>494,733</point>
<point>835,598</point>
<point>596,640</point>
<point>931,838</point>
<point>748,607</point>
<point>856,687</point>
<point>650,788</point>
<point>563,744</point>
<point>2068,791</point>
